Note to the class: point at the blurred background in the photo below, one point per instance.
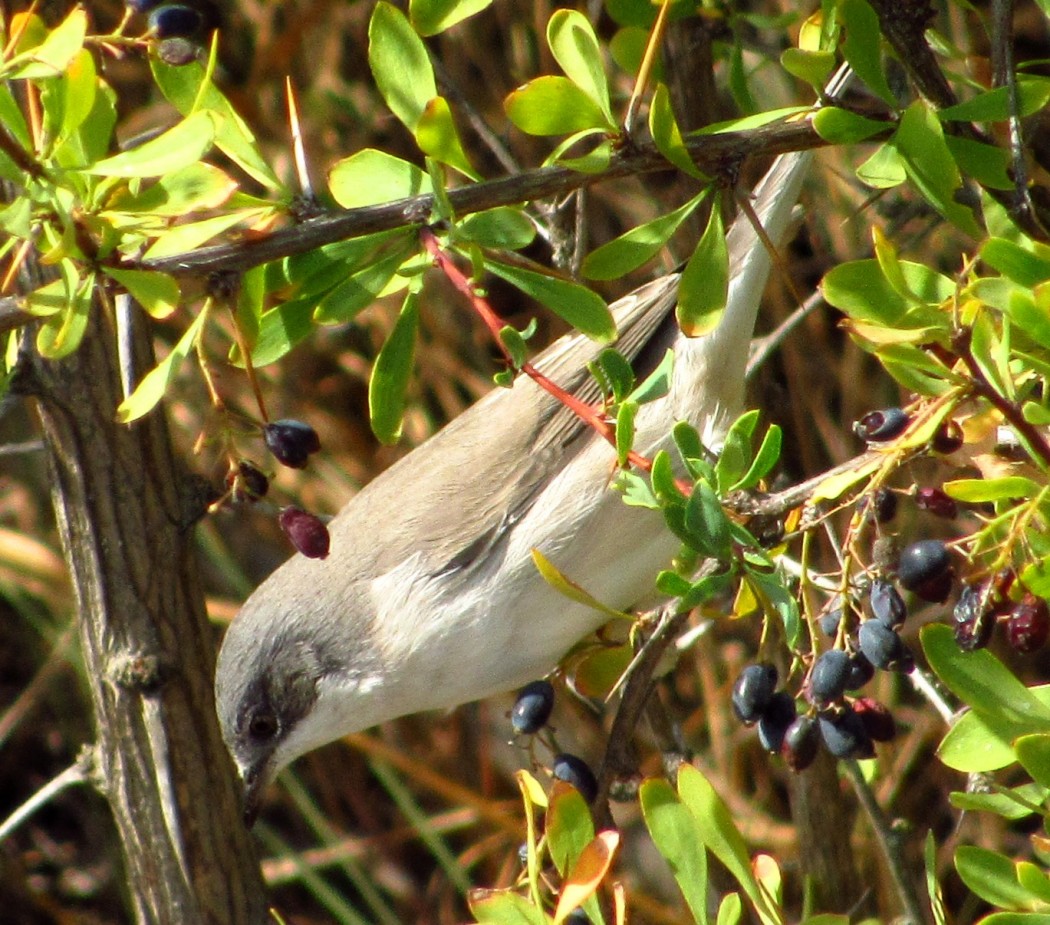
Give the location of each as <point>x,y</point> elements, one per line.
<point>394,825</point>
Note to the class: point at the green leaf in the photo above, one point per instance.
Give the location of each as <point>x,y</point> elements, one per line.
<point>842,127</point>
<point>720,835</point>
<point>1033,93</point>
<point>633,248</point>
<point>930,166</point>
<point>196,186</point>
<point>735,456</point>
<point>614,374</point>
<point>1027,266</point>
<point>780,600</point>
<point>811,66</point>
<point>52,56</point>
<point>665,485</point>
<point>359,290</point>
<point>433,16</point>
<point>576,49</point>
<point>584,310</point>
<point>973,747</point>
<point>76,88</point>
<point>183,238</point>
<point>61,333</point>
<point>554,105</point>
<point>986,163</point>
<point>658,383</point>
<point>281,329</point>
<point>185,88</point>
<point>505,227</point>
<point>706,522</point>
<point>569,827</point>
<point>979,679</point>
<point>625,416</point>
<point>766,458</point>
<point>1033,751</point>
<point>861,290</point>
<point>370,177</point>
<point>978,491</point>
<point>505,907</point>
<point>667,136</point>
<point>991,876</point>
<point>393,366</point>
<point>861,47</point>
<point>677,837</point>
<point>157,293</point>
<point>1016,918</point>
<point>400,64</point>
<point>1001,804</point>
<point>172,150</point>
<point>704,287</point>
<point>550,573</point>
<point>884,169</point>
<point>746,123</point>
<point>155,383</point>
<point>437,137</point>
<point>730,910</point>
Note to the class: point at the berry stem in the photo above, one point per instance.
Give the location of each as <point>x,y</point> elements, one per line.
<point>246,356</point>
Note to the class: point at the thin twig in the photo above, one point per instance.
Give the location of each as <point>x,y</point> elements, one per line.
<point>79,772</point>
<point>889,841</point>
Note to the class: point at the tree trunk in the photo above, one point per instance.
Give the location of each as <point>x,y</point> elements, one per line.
<point>125,512</point>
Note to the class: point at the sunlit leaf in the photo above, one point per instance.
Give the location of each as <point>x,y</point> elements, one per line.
<point>388,384</point>
<point>400,64</point>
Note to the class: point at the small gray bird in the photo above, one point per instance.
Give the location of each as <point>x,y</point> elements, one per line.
<point>430,597</point>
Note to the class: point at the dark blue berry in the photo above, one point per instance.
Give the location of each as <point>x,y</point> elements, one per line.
<point>880,426</point>
<point>844,735</point>
<point>887,605</point>
<point>925,568</point>
<point>173,20</point>
<point>829,623</point>
<point>861,671</point>
<point>775,719</point>
<point>576,772</point>
<point>753,691</point>
<point>291,442</point>
<point>827,680</point>
<point>881,646</point>
<point>532,708</point>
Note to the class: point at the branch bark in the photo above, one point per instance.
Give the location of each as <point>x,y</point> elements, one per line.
<point>125,512</point>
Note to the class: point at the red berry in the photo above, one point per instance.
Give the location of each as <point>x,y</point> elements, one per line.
<point>937,503</point>
<point>306,531</point>
<point>1028,624</point>
<point>948,438</point>
<point>876,718</point>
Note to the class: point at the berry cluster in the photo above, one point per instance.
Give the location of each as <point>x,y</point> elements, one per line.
<point>292,443</point>
<point>529,715</point>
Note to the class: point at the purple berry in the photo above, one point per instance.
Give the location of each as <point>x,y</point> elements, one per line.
<point>1028,625</point>
<point>876,718</point>
<point>307,532</point>
<point>247,482</point>
<point>291,442</point>
<point>753,691</point>
<point>948,438</point>
<point>801,741</point>
<point>937,503</point>
<point>532,708</point>
<point>575,771</point>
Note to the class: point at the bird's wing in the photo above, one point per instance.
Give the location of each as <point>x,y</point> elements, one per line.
<point>512,440</point>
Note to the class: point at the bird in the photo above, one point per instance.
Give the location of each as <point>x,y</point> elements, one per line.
<point>430,596</point>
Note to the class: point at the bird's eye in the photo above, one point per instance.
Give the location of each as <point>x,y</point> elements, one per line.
<point>262,727</point>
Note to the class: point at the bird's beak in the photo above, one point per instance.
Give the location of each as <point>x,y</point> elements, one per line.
<point>255,780</point>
